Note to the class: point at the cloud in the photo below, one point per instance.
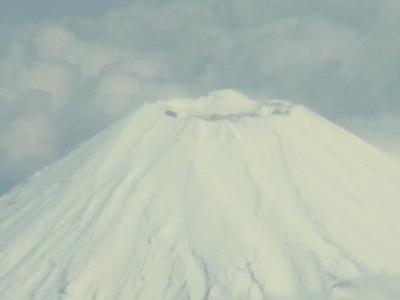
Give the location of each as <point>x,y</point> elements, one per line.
<point>28,138</point>
<point>77,74</point>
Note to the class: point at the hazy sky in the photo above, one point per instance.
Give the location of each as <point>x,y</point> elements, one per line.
<point>69,68</point>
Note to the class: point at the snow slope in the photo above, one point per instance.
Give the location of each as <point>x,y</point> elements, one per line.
<point>216,198</point>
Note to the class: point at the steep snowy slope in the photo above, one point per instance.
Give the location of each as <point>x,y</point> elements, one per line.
<point>217,198</point>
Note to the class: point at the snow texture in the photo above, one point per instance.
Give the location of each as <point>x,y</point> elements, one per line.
<point>217,198</point>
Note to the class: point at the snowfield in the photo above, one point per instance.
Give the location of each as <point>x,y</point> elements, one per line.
<point>215,198</point>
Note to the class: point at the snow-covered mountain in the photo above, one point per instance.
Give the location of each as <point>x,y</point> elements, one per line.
<point>216,198</point>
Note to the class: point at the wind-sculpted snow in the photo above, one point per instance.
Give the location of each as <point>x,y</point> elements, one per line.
<point>219,198</point>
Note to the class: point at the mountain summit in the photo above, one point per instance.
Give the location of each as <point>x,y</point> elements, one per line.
<point>215,198</point>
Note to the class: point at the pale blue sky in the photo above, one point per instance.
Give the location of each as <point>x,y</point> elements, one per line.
<point>69,68</point>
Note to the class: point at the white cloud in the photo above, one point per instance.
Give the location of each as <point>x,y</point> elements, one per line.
<point>29,138</point>
<point>52,41</point>
<point>114,93</point>
<point>57,78</point>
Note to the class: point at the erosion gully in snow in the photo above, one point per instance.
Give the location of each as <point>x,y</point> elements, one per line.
<point>215,198</point>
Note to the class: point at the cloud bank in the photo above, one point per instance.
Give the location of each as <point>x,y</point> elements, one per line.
<point>66,75</point>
